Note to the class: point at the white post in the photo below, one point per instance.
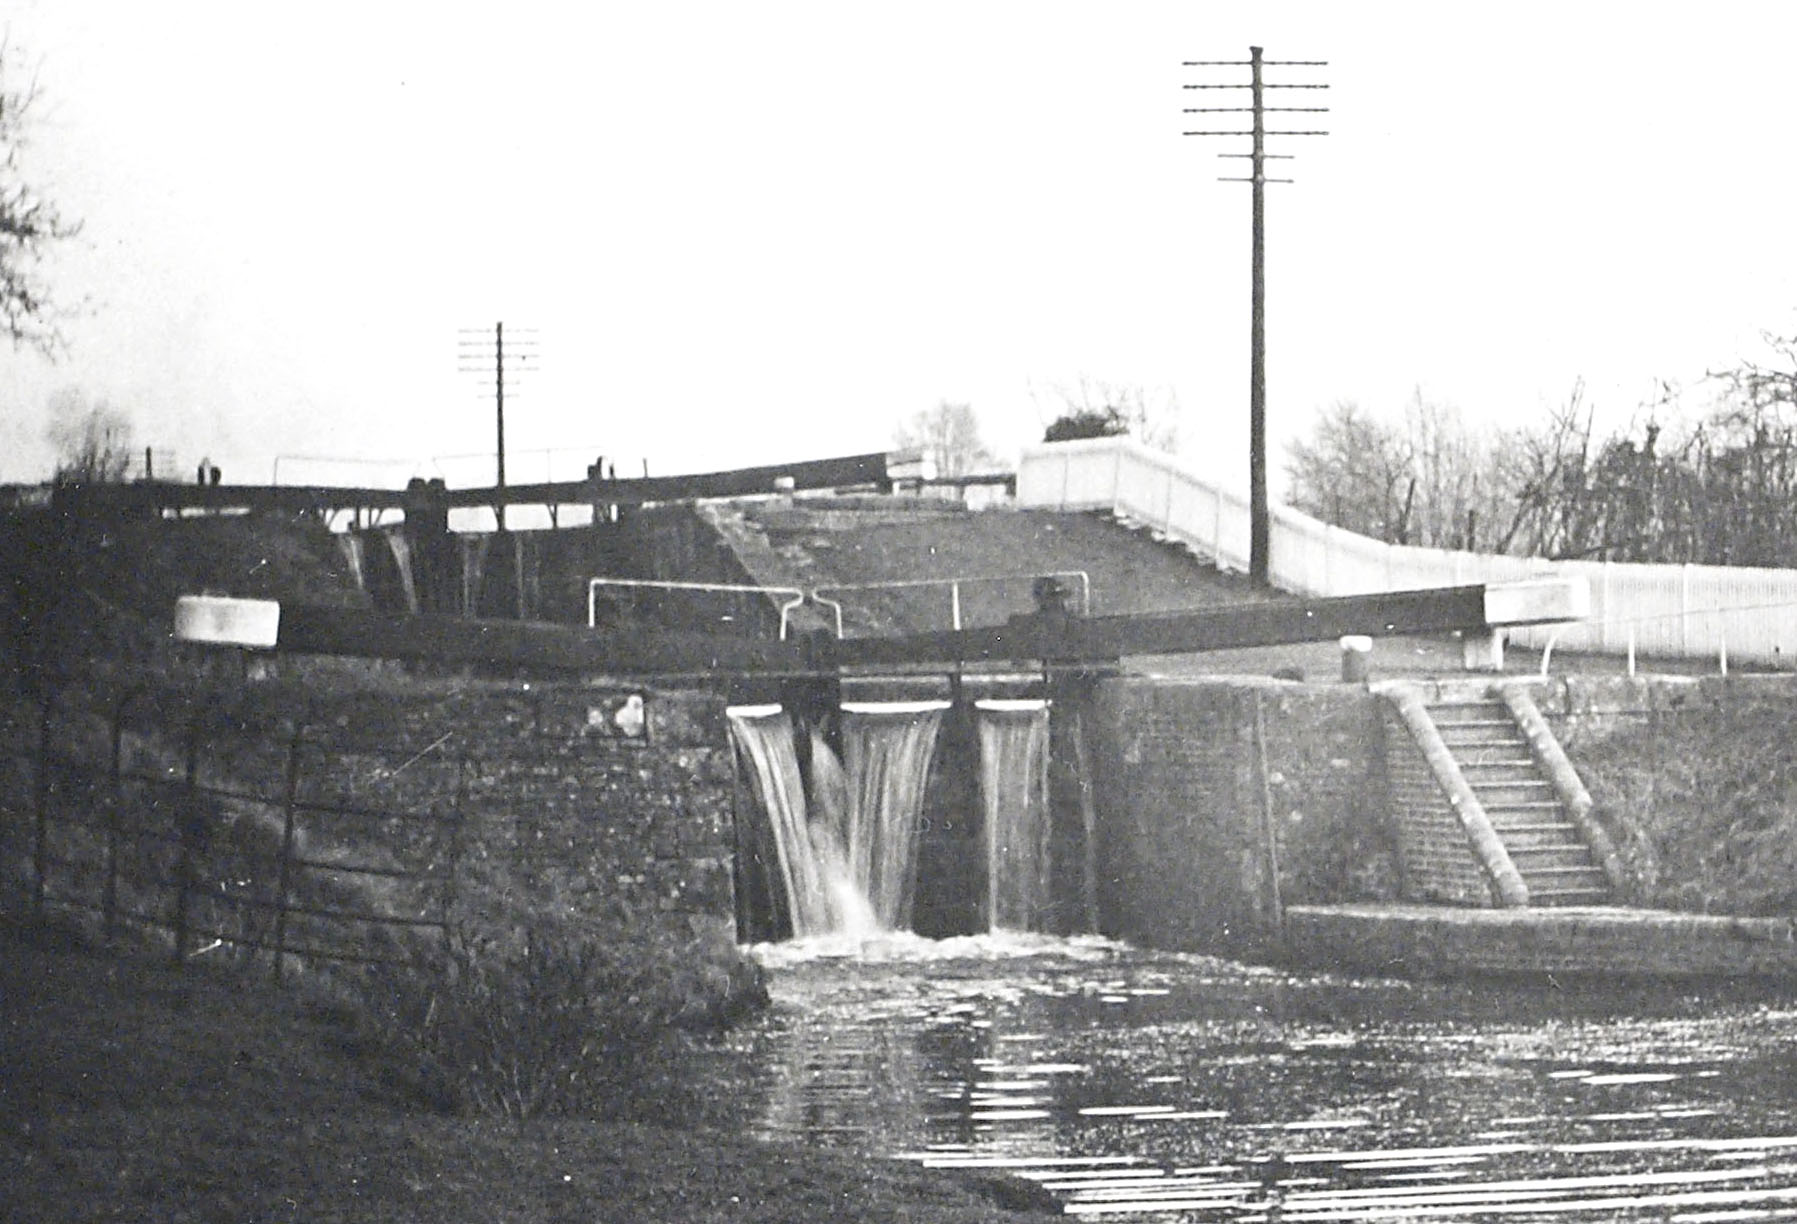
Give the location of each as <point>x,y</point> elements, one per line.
<point>1684,610</point>
<point>1483,652</point>
<point>1216,534</point>
<point>1603,624</point>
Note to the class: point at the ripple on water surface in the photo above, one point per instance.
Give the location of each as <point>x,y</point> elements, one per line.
<point>1150,1086</point>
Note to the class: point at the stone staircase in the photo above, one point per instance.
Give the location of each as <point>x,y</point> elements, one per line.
<point>1547,848</point>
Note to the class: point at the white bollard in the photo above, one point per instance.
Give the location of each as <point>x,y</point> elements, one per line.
<point>1482,651</point>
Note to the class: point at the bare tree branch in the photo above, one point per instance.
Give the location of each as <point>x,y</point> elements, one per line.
<point>949,436</point>
<point>29,224</point>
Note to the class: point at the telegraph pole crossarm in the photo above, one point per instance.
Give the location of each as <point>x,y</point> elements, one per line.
<point>1260,515</point>
<point>475,347</point>
<point>469,350</point>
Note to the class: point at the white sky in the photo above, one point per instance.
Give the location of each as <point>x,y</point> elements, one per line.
<point>745,233</point>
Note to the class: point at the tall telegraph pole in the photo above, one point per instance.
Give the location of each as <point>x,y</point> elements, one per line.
<point>1260,518</point>
<point>474,351</point>
<point>499,420</point>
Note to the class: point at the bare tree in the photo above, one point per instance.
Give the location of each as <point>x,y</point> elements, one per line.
<point>1764,389</point>
<point>29,223</point>
<point>1426,480</point>
<point>1353,471</point>
<point>948,434</point>
<point>1451,467</point>
<point>1722,492</point>
<point>1545,471</point>
<point>91,437</point>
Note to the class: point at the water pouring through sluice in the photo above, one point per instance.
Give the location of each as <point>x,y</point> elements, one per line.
<point>1014,788</point>
<point>763,733</point>
<point>844,829</point>
<point>888,748</point>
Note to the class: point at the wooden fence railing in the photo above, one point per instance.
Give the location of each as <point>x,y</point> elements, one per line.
<point>215,838</point>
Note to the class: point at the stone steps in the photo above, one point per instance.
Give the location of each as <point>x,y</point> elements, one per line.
<point>1519,798</point>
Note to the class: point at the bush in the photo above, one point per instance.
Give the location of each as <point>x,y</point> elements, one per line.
<point>563,1017</point>
<point>1086,423</point>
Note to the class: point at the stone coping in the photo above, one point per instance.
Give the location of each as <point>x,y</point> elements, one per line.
<point>1584,941</point>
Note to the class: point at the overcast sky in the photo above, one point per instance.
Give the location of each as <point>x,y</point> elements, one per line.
<point>744,233</point>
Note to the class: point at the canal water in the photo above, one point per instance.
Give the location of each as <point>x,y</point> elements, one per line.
<point>1151,1086</point>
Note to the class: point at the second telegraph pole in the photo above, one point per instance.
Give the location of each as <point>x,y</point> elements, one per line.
<point>472,350</point>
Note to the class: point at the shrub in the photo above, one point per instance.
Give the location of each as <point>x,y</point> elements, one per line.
<point>562,1016</point>
<point>1086,423</point>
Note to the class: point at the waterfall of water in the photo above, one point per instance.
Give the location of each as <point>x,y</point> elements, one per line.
<point>846,844</point>
<point>1014,786</point>
<point>764,734</point>
<point>887,748</point>
<point>832,817</point>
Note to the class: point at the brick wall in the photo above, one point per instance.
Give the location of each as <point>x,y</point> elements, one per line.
<point>1192,821</point>
<point>1436,862</point>
<point>1328,785</point>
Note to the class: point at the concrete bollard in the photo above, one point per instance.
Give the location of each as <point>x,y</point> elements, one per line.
<point>1357,653</point>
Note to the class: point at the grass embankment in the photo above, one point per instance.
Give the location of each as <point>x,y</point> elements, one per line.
<point>1703,803</point>
<point>131,1091</point>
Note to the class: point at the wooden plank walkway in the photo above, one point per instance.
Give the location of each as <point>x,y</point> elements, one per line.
<point>1581,941</point>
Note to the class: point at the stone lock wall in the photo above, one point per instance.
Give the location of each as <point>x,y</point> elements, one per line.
<point>1220,802</point>
<point>587,815</point>
<point>579,799</point>
<point>1591,709</point>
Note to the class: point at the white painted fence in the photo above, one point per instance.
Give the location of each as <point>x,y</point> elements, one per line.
<point>1694,611</point>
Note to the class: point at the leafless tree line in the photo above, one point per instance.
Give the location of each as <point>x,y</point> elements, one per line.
<point>1720,491</point>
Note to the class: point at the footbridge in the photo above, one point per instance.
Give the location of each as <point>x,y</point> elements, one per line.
<point>432,497</point>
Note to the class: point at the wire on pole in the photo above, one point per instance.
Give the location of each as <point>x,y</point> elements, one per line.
<point>1260,514</point>
<point>494,358</point>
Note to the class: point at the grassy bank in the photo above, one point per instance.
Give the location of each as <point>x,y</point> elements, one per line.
<point>1703,803</point>
<point>129,1091</point>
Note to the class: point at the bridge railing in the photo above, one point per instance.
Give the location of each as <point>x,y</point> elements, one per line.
<point>788,599</point>
<point>994,596</point>
<point>1675,611</point>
